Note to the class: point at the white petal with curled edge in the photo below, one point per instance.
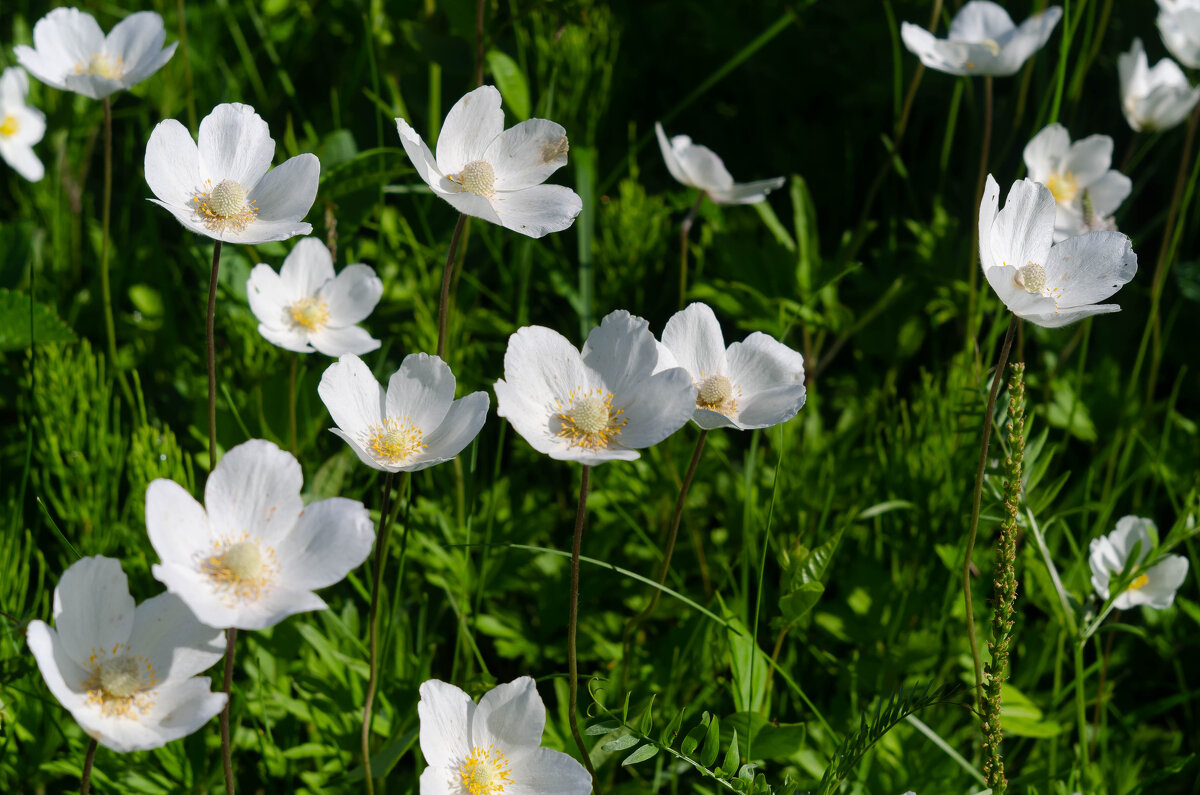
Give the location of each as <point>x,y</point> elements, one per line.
<point>418,152</point>
<point>306,268</point>
<point>474,205</point>
<point>460,426</point>
<point>421,391</point>
<point>1029,37</point>
<point>1022,234</point>
<point>172,165</point>
<point>1046,151</point>
<point>352,295</point>
<point>297,340</point>
<point>1109,191</point>
<point>352,395</point>
<point>656,408</point>
<point>287,192</point>
<point>944,56</point>
<point>527,154</point>
<point>693,336</point>
<point>92,607</point>
<point>622,351</point>
<point>65,678</point>
<point>331,538</point>
<point>255,489</point>
<point>771,377</point>
<point>234,143</point>
<point>510,717</point>
<point>668,153</point>
<point>704,167</point>
<point>269,297</point>
<point>1066,317</point>
<point>1163,580</point>
<point>445,714</point>
<point>470,127</point>
<point>340,341</point>
<point>186,707</point>
<point>23,160</point>
<point>537,211</point>
<point>746,192</point>
<point>1089,158</point>
<point>978,21</point>
<point>138,41</point>
<point>173,641</point>
<point>1090,268</point>
<point>549,771</point>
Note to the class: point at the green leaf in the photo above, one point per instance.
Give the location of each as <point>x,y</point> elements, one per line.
<point>712,743</point>
<point>647,723</point>
<point>795,604</point>
<point>14,323</point>
<point>602,727</point>
<point>511,82</point>
<point>732,757</point>
<point>647,751</point>
<point>621,743</point>
<point>672,731</point>
<point>692,739</point>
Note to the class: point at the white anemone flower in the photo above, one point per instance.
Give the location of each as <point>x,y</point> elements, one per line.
<point>699,167</point>
<point>1153,99</point>
<point>1179,24</point>
<point>602,404</point>
<point>492,747</point>
<point>756,383</point>
<point>305,307</point>
<point>253,553</point>
<point>982,40</point>
<point>1048,285</point>
<point>414,425</point>
<point>1111,555</point>
<point>1085,189</point>
<point>20,125</point>
<point>126,673</point>
<point>71,52</point>
<point>222,188</point>
<point>488,172</point>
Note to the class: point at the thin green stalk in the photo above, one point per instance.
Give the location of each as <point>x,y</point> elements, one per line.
<point>572,628</point>
<point>110,327</point>
<point>212,359</point>
<point>447,272</point>
<point>292,403</point>
<point>385,528</point>
<point>187,65</point>
<point>85,780</point>
<point>1081,710</point>
<point>973,270</point>
<point>226,746</point>
<point>685,230</point>
<point>975,502</point>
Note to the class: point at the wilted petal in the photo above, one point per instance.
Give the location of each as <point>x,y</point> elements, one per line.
<point>527,154</point>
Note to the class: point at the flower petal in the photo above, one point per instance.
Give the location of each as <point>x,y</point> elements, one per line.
<point>255,489</point>
<point>235,144</point>
<point>92,607</point>
<point>445,714</point>
<point>656,408</point>
<point>183,709</point>
<point>306,268</point>
<point>1021,235</point>
<point>670,158</point>
<point>297,340</point>
<point>352,295</point>
<point>1046,151</point>
<point>172,165</point>
<point>548,772</point>
<point>176,523</point>
<point>1089,159</point>
<point>526,154</point>
<point>460,426</point>
<point>340,341</point>
<point>63,40</point>
<point>138,41</point>
<point>261,232</point>
<point>421,391</point>
<point>746,192</point>
<point>951,57</point>
<point>510,717</point>
<point>23,160</point>
<point>1163,580</point>
<point>418,152</point>
<point>979,21</point>
<point>1029,37</point>
<point>623,351</point>
<point>1066,317</point>
<point>703,167</point>
<point>1087,269</point>
<point>167,633</point>
<point>352,395</point>
<point>771,378</point>
<point>330,538</point>
<point>541,369</point>
<point>1109,191</point>
<point>539,210</point>
<point>693,336</point>
<point>65,678</point>
<point>269,297</point>
<point>470,127</point>
<point>287,192</point>
<point>471,204</point>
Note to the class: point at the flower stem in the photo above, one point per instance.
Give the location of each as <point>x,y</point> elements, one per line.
<point>975,501</point>
<point>110,327</point>
<point>385,528</point>
<point>573,626</point>
<point>1097,714</point>
<point>85,780</point>
<point>212,361</point>
<point>444,302</point>
<point>292,403</point>
<point>226,747</point>
<point>973,271</point>
<point>668,550</point>
<point>1081,709</point>
<point>685,229</point>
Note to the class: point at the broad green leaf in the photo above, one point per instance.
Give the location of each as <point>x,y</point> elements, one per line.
<point>621,743</point>
<point>514,88</point>
<point>647,751</point>
<point>712,743</point>
<point>795,604</point>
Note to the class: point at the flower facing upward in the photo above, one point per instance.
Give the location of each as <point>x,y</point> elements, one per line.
<point>305,307</point>
<point>253,553</point>
<point>1086,191</point>
<point>1110,555</point>
<point>222,188</point>
<point>1047,285</point>
<point>982,41</point>
<point>754,384</point>
<point>1153,99</point>
<point>20,125</point>
<point>127,674</point>
<point>72,53</point>
<point>699,167</point>
<point>488,172</point>
<point>1179,24</point>
<point>603,404</point>
<point>414,425</point>
<point>492,748</point>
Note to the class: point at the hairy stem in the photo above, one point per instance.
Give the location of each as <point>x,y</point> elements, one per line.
<point>573,626</point>
<point>226,747</point>
<point>85,780</point>
<point>444,302</point>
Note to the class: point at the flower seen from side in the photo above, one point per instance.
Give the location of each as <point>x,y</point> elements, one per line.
<point>1179,24</point>
<point>1113,554</point>
<point>126,673</point>
<point>413,425</point>
<point>220,186</point>
<point>602,404</point>
<point>699,167</point>
<point>20,125</point>
<point>1153,98</point>
<point>493,747</point>
<point>488,172</point>
<point>756,383</point>
<point>71,52</point>
<point>305,307</point>
<point>1047,284</point>
<point>1086,191</point>
<point>253,553</point>
<point>982,40</point>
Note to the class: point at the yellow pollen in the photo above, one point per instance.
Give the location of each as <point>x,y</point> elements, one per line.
<point>9,126</point>
<point>1139,583</point>
<point>101,65</point>
<point>714,391</point>
<point>1064,186</point>
<point>121,677</point>
<point>485,771</point>
<point>992,45</point>
<point>478,177</point>
<point>225,207</point>
<point>396,441</point>
<point>1031,278</point>
<point>121,684</point>
<point>589,419</point>
<point>241,570</point>
<point>310,313</point>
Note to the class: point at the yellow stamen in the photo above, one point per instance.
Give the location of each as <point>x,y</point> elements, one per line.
<point>1064,186</point>
<point>241,570</point>
<point>718,393</point>
<point>1031,278</point>
<point>396,441</point>
<point>485,771</point>
<point>9,126</point>
<point>589,419</point>
<point>120,684</point>
<point>1139,583</point>
<point>477,177</point>
<point>225,207</point>
<point>310,313</point>
<point>101,65</point>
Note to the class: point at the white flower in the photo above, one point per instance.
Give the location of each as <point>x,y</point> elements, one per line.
<point>127,674</point>
<point>754,384</point>
<point>495,174</point>
<point>1110,555</point>
<point>1085,189</point>
<point>1179,24</point>
<point>305,307</point>
<point>416,424</point>
<point>1153,99</point>
<point>20,125</point>
<point>72,53</point>
<point>222,188</point>
<point>492,747</point>
<point>603,404</point>
<point>253,553</point>
<point>1049,286</point>
<point>982,41</point>
<point>699,167</point>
